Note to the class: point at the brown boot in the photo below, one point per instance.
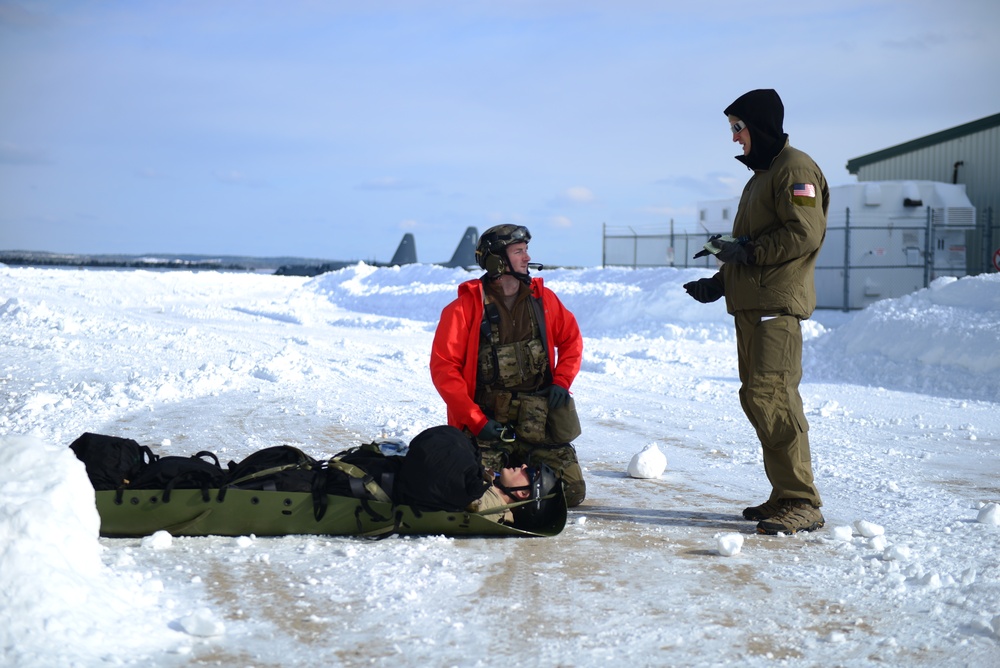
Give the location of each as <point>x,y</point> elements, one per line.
<point>764,511</point>
<point>796,515</point>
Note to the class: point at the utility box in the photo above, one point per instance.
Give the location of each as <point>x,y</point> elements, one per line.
<point>884,238</point>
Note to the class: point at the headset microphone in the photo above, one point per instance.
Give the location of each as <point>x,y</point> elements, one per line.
<point>536,265</point>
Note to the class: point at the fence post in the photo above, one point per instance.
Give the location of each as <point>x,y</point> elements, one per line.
<point>847,259</point>
<point>604,244</point>
<point>928,248</point>
<point>987,241</point>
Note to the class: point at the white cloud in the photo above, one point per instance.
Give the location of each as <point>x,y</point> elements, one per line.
<point>387,183</point>
<point>579,194</point>
<point>562,221</point>
<point>235,177</point>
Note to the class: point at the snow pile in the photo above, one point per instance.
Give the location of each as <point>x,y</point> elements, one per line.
<point>989,514</point>
<point>904,425</point>
<point>53,583</point>
<point>943,340</point>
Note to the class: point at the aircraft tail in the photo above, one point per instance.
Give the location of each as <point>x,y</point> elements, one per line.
<point>406,252</point>
<point>465,254</point>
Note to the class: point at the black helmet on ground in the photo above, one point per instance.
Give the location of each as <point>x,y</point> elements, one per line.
<point>547,500</point>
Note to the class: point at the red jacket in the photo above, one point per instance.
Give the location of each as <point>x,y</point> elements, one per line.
<point>455,352</point>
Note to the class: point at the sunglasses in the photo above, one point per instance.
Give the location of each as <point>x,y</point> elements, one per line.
<point>738,127</point>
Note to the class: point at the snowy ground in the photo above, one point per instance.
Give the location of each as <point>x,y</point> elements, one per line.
<point>902,399</point>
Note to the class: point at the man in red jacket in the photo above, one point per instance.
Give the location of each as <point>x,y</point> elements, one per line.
<point>505,354</point>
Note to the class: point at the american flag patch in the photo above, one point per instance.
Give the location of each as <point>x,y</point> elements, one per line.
<point>803,190</point>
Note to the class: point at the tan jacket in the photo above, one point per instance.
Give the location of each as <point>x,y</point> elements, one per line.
<point>492,499</point>
<point>783,211</point>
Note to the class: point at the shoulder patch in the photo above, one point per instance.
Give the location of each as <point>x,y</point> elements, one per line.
<point>804,194</point>
<point>803,190</point>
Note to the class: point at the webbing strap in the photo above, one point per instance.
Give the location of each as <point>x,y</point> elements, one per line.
<point>266,472</point>
<point>367,481</point>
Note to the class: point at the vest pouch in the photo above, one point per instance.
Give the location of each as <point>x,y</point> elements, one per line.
<point>532,417</point>
<point>564,423</point>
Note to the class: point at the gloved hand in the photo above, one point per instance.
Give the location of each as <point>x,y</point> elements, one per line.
<point>705,290</point>
<point>705,251</point>
<point>734,251</point>
<point>491,431</point>
<point>558,396</point>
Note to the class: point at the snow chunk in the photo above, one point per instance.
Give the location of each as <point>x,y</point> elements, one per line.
<point>161,540</point>
<point>989,514</point>
<point>896,553</point>
<point>201,623</point>
<point>649,463</point>
<point>868,529</point>
<point>729,544</point>
<point>844,533</point>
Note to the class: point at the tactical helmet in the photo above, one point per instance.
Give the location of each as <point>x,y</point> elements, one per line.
<point>491,253</point>
<point>548,500</point>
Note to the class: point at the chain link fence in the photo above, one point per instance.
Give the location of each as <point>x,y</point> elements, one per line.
<point>863,258</point>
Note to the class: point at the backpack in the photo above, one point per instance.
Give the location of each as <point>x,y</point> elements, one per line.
<point>441,471</point>
<point>280,468</point>
<point>111,462</point>
<point>362,472</point>
<point>174,472</point>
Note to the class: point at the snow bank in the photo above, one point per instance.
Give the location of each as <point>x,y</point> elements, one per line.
<point>943,340</point>
<point>53,583</point>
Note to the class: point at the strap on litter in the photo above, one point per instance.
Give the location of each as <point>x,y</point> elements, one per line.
<point>366,480</point>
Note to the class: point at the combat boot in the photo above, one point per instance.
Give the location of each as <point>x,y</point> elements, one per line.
<point>795,515</point>
<point>764,511</point>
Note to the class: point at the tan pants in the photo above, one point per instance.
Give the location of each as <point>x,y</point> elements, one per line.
<point>770,365</point>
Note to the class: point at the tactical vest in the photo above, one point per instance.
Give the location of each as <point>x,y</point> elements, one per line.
<point>510,373</point>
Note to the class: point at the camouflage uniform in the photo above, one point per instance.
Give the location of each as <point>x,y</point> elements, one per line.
<point>496,368</point>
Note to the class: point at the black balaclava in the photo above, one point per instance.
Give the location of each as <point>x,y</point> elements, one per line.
<point>764,114</point>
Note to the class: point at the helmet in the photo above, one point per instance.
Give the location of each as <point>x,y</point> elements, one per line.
<point>548,501</point>
<point>491,253</point>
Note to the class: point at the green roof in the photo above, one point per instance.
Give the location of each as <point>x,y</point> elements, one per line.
<point>855,164</point>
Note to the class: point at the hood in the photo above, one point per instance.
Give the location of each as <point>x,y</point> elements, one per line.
<point>764,115</point>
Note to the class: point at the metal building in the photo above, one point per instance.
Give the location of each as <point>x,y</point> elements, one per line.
<point>967,154</point>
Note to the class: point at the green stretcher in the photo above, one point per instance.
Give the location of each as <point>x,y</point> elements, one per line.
<point>239,512</point>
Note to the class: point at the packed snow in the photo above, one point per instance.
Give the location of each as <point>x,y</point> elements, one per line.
<point>902,400</point>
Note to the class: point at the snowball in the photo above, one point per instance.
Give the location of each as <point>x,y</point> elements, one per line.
<point>729,544</point>
<point>989,514</point>
<point>868,529</point>
<point>201,623</point>
<point>160,540</point>
<point>897,553</point>
<point>932,580</point>
<point>649,463</point>
<point>844,533</point>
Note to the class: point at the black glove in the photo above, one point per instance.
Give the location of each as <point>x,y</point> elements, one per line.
<point>558,396</point>
<point>491,431</point>
<point>705,290</point>
<point>734,251</point>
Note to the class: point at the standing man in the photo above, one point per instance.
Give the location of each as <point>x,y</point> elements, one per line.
<point>505,354</point>
<point>767,279</point>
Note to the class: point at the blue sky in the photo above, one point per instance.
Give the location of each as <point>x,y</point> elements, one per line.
<point>329,129</point>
